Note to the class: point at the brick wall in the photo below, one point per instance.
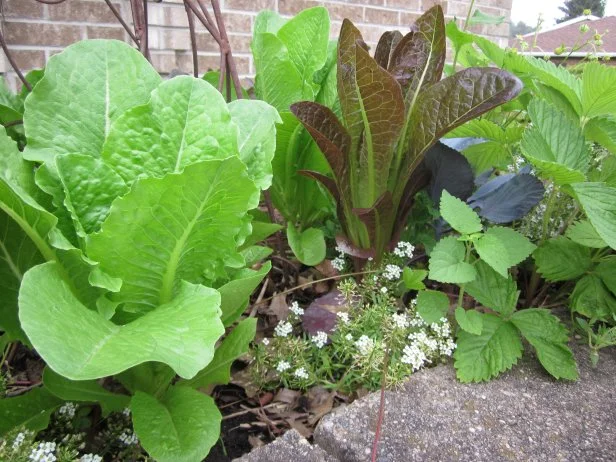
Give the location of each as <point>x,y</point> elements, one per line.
<point>34,31</point>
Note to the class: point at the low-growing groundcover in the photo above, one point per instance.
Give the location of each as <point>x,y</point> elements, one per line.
<point>452,214</point>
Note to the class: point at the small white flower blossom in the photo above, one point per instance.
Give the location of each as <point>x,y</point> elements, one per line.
<point>265,341</point>
<point>446,347</point>
<point>91,458</point>
<point>68,410</point>
<point>283,329</point>
<point>339,249</point>
<point>349,337</point>
<point>320,339</point>
<point>392,272</point>
<point>365,345</point>
<point>442,329</point>
<point>128,438</point>
<point>338,263</point>
<point>301,373</point>
<point>43,453</point>
<point>295,308</point>
<point>19,440</point>
<point>400,321</point>
<point>343,316</point>
<point>383,290</point>
<point>413,355</point>
<point>404,249</point>
<point>283,366</point>
<point>417,321</point>
<point>126,411</point>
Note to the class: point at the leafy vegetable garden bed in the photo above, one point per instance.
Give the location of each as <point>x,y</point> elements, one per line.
<point>170,257</point>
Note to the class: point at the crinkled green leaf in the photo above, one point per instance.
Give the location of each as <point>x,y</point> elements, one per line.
<point>561,259</point>
<point>483,156</point>
<point>599,90</point>
<point>432,305</point>
<point>255,253</point>
<point>185,121</point>
<point>218,372</point>
<point>413,279</point>
<point>307,245</point>
<point>583,233</point>
<point>85,88</point>
<point>31,410</point>
<point>503,248</point>
<point>492,290</point>
<point>181,333</point>
<point>549,338</point>
<point>84,391</point>
<point>555,144</point>
<point>459,215</point>
<point>256,121</point>
<point>592,298</point>
<point>602,130</point>
<point>482,357</point>
<point>179,227</point>
<point>268,21</point>
<point>181,426</point>
<point>447,262</point>
<point>599,202</point>
<point>470,321</point>
<point>236,293</point>
<point>606,270</point>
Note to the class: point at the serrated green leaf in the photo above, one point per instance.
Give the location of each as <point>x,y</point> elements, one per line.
<point>447,262</point>
<point>84,391</point>
<point>432,305</point>
<point>599,202</point>
<point>560,259</point>
<point>236,293</point>
<point>599,90</point>
<point>32,410</point>
<point>470,321</point>
<point>494,252</point>
<point>218,372</point>
<point>181,333</point>
<point>459,215</point>
<point>181,426</point>
<point>583,233</point>
<point>413,279</point>
<point>592,298</point>
<point>602,130</point>
<point>606,270</point>
<point>492,290</point>
<point>482,357</point>
<point>85,88</point>
<point>307,245</point>
<point>483,156</point>
<point>189,220</point>
<point>549,338</point>
<point>503,248</point>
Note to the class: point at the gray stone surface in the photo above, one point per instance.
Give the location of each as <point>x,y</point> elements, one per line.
<point>291,447</point>
<point>522,416</point>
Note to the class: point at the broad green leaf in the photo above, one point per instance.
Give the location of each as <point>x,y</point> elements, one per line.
<point>549,338</point>
<point>84,390</point>
<point>256,121</point>
<point>181,333</point>
<point>413,279</point>
<point>483,156</point>
<point>432,305</point>
<point>188,220</point>
<point>560,259</point>
<point>492,290</point>
<point>606,270</point>
<point>583,233</point>
<point>218,372</point>
<point>479,17</point>
<point>213,78</point>
<point>90,186</point>
<point>599,202</point>
<point>555,144</point>
<point>447,262</point>
<point>255,254</point>
<point>185,121</point>
<point>268,21</point>
<point>459,215</point>
<point>307,245</point>
<point>151,377</point>
<point>470,321</point>
<point>31,410</point>
<point>602,130</point>
<point>482,357</point>
<point>235,294</point>
<point>485,128</point>
<point>327,77</point>
<point>85,88</point>
<point>260,231</point>
<point>181,426</point>
<point>503,248</point>
<point>599,90</point>
<point>592,298</point>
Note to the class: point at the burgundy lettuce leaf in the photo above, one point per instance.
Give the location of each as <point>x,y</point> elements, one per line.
<point>386,46</point>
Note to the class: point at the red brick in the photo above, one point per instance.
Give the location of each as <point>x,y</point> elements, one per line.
<point>57,35</point>
<point>82,11</point>
<point>340,12</point>
<point>164,62</point>
<point>427,4</point>
<point>22,9</point>
<point>28,59</point>
<point>381,17</point>
<point>240,43</point>
<point>250,5</point>
<point>412,5</point>
<point>295,6</point>
<point>97,32</point>
<point>408,19</point>
<point>237,22</point>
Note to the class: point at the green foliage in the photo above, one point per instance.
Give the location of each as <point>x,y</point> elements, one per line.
<point>459,215</point>
<point>308,245</point>
<point>447,262</point>
<point>432,305</point>
<point>561,259</point>
<point>31,410</point>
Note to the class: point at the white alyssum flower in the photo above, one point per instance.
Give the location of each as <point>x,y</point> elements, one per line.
<point>301,373</point>
<point>442,328</point>
<point>446,347</point>
<point>91,458</point>
<point>295,308</point>
<point>68,410</point>
<point>392,272</point>
<point>338,263</point>
<point>19,440</point>
<point>126,411</point>
<point>404,249</point>
<point>283,366</point>
<point>283,329</point>
<point>319,339</point>
<point>44,452</point>
<point>414,355</point>
<point>383,290</point>
<point>400,321</point>
<point>265,341</point>
<point>343,316</point>
<point>340,250</point>
<point>365,345</point>
<point>128,438</point>
<point>349,337</point>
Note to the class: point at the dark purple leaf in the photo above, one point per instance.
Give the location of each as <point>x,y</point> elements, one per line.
<point>321,314</point>
<point>386,46</point>
<point>450,171</point>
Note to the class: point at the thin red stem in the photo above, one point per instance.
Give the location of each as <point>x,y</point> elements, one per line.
<point>13,63</point>
<point>126,27</point>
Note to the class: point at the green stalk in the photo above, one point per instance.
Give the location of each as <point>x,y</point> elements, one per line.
<point>462,286</point>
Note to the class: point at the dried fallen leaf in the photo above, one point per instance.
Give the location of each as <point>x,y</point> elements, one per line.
<point>320,402</point>
<point>255,441</point>
<point>278,307</point>
<point>287,396</point>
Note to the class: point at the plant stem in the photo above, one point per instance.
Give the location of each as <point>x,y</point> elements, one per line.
<point>460,303</point>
